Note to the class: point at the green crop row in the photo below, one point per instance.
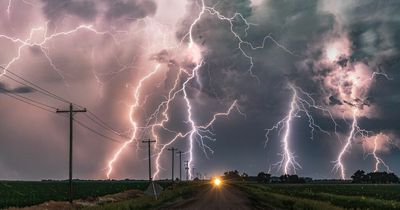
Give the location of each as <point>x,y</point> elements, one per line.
<point>21,193</point>
<point>381,191</point>
<point>307,197</point>
<point>265,199</point>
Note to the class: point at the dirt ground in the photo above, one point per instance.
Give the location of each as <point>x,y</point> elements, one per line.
<point>225,197</point>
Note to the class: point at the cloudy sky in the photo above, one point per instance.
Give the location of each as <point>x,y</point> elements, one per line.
<point>252,85</point>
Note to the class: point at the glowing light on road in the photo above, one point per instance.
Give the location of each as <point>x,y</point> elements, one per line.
<point>217,182</point>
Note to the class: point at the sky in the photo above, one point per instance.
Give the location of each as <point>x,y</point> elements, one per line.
<point>307,87</point>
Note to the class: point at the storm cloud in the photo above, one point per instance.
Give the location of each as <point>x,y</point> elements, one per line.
<point>100,67</point>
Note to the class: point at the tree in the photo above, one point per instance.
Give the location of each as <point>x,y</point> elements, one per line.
<point>358,176</point>
<point>232,175</point>
<point>286,178</point>
<point>263,177</point>
<point>380,177</point>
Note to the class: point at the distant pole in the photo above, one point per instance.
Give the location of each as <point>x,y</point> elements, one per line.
<point>193,170</point>
<point>173,158</point>
<point>148,142</point>
<point>180,165</point>
<point>71,112</point>
<point>187,170</point>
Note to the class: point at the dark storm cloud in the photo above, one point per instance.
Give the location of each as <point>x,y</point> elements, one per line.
<point>293,24</point>
<point>373,28</point>
<point>225,75</point>
<point>88,10</point>
<point>56,9</point>
<point>297,25</point>
<point>120,9</point>
<point>23,89</point>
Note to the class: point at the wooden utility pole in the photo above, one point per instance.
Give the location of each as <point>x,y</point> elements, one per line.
<point>180,165</point>
<point>173,158</point>
<point>71,112</point>
<point>193,171</point>
<point>187,170</point>
<point>148,145</point>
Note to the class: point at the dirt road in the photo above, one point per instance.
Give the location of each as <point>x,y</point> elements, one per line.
<point>213,198</point>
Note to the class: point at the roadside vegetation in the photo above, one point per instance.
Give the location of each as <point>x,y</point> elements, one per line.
<point>173,194</point>
<point>27,193</point>
<point>323,196</point>
<point>374,190</point>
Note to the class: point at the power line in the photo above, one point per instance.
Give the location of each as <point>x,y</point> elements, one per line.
<point>29,103</point>
<point>52,111</point>
<point>96,132</point>
<point>102,124</point>
<point>95,119</point>
<point>34,86</point>
<point>28,99</point>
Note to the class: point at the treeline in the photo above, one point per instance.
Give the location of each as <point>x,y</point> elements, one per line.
<point>374,177</point>
<point>263,177</point>
<point>358,177</point>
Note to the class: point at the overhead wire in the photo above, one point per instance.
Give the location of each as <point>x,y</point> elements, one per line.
<point>43,106</point>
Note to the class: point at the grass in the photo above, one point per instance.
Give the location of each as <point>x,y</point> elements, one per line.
<point>265,199</point>
<point>328,196</point>
<point>27,193</point>
<point>381,191</point>
<point>179,192</point>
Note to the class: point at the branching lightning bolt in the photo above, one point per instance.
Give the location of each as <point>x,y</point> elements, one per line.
<point>378,160</point>
<point>29,42</point>
<point>159,117</point>
<point>133,122</point>
<point>339,162</point>
<point>298,105</point>
<point>355,131</point>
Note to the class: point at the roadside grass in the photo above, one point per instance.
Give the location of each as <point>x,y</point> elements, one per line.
<point>171,195</point>
<point>265,199</point>
<point>27,193</point>
<point>378,191</point>
<point>303,197</point>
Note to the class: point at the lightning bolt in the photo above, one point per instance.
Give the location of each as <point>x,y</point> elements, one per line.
<point>133,108</point>
<point>378,160</point>
<point>339,162</point>
<point>41,44</point>
<point>8,10</point>
<point>301,102</point>
<point>355,131</point>
<point>158,119</point>
<point>288,156</point>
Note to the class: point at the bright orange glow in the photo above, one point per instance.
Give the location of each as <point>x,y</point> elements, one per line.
<point>217,182</point>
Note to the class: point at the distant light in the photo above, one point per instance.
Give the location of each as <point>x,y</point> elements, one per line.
<point>217,182</point>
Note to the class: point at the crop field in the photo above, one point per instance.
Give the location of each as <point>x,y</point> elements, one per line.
<point>324,196</point>
<point>26,193</point>
<point>262,196</point>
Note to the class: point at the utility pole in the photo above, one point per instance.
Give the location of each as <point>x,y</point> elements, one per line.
<point>173,158</point>
<point>148,145</point>
<point>187,170</point>
<point>193,170</point>
<point>71,112</point>
<point>180,165</point>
